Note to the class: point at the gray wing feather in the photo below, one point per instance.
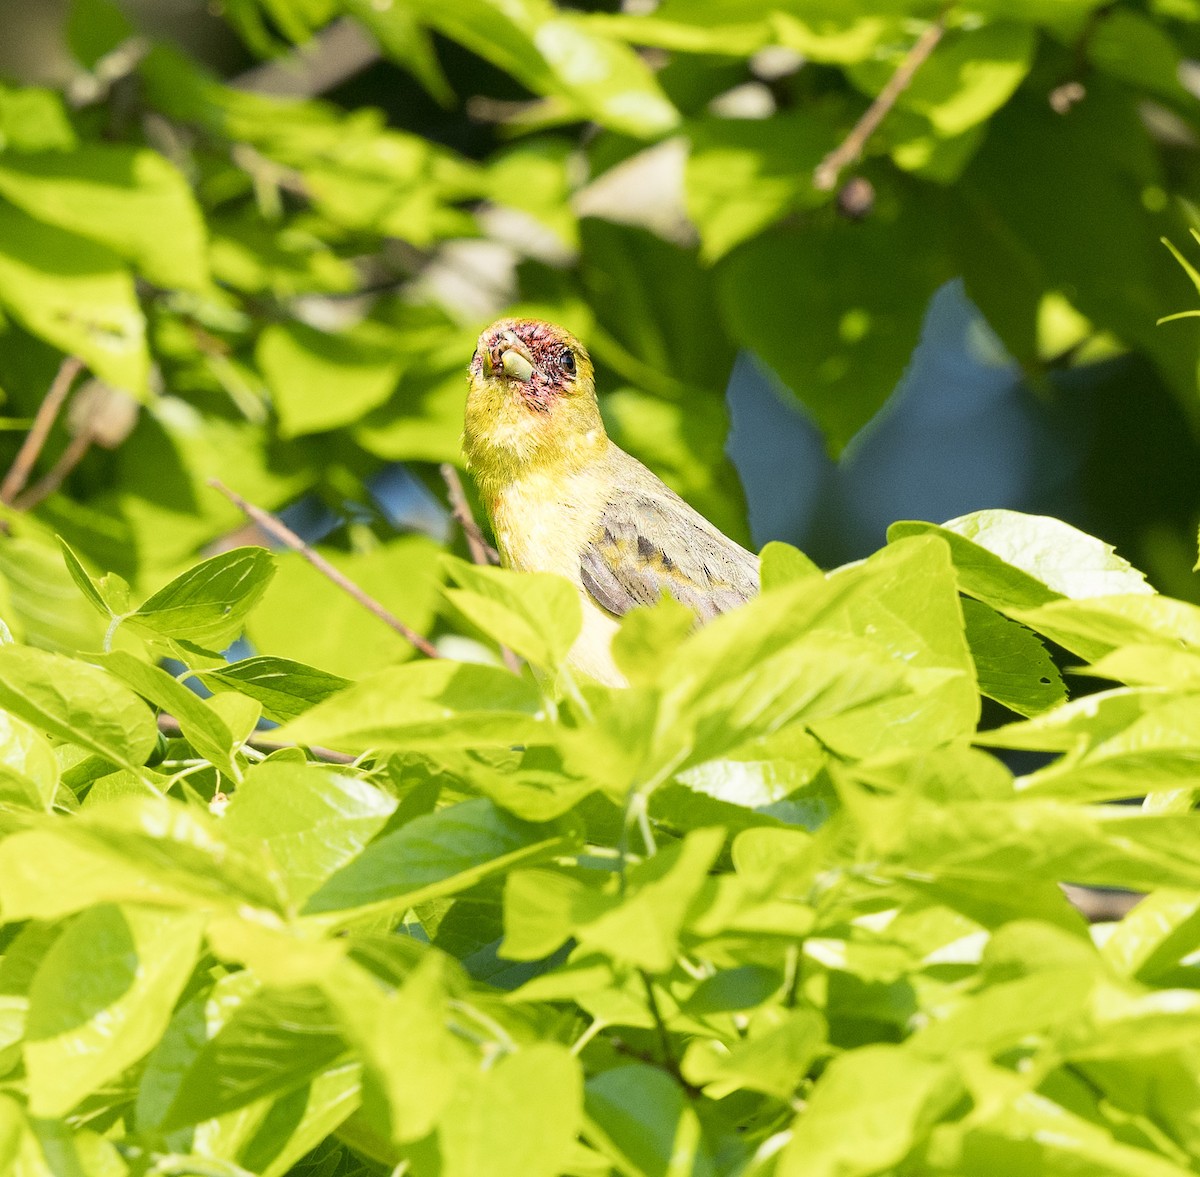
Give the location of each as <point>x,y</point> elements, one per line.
<point>688,558</point>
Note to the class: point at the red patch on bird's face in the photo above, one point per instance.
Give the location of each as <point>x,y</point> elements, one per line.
<point>550,351</point>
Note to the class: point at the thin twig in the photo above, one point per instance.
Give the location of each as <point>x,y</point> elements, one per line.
<point>280,531</point>
<point>826,173</point>
<point>41,490</point>
<point>169,726</point>
<point>481,551</point>
<point>18,474</point>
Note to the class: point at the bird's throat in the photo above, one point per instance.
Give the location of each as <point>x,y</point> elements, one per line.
<point>506,438</point>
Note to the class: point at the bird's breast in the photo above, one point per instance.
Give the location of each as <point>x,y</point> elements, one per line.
<point>543,520</point>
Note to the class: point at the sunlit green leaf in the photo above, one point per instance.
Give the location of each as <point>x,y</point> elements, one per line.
<point>29,771</point>
<point>208,603</point>
<point>519,1117</point>
<point>285,688</point>
<point>439,854</point>
<point>102,997</point>
<point>75,294</point>
<point>77,703</point>
<point>1010,560</point>
<point>904,1093</point>
<point>537,615</point>
<point>129,199</point>
<point>311,820</point>
<point>300,364</point>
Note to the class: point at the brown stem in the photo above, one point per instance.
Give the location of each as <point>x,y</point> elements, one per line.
<point>18,474</point>
<point>169,726</point>
<point>826,173</point>
<point>481,551</point>
<point>41,490</point>
<point>286,535</point>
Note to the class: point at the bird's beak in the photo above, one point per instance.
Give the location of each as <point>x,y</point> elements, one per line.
<point>515,358</point>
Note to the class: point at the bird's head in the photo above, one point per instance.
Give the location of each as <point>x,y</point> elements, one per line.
<point>532,400</point>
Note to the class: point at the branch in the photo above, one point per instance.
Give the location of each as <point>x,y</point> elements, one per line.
<point>76,449</point>
<point>27,456</point>
<point>169,726</point>
<point>826,173</point>
<point>280,531</point>
<point>338,52</point>
<point>481,551</point>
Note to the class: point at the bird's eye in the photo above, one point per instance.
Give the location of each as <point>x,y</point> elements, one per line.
<point>567,360</point>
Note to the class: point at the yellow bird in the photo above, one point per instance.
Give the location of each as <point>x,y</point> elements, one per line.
<point>563,498</point>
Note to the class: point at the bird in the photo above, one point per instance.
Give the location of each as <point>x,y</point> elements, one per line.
<point>562,497</point>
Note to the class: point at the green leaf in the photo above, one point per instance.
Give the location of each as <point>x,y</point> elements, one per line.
<point>639,926</point>
<point>643,929</point>
<point>1095,627</point>
<point>129,199</point>
<point>518,1118</point>
<point>1011,664</point>
<point>390,1032</point>
<point>649,636</point>
<point>905,598</point>
<point>1136,50</point>
<point>640,1119</point>
<point>202,727</point>
<point>743,175</point>
<point>558,53</point>
<point>274,1043</point>
<point>1122,743</point>
<point>85,583</point>
<point>1155,937</point>
<point>1013,561</point>
<point>310,820</point>
<point>406,42</point>
<point>76,295</point>
<point>782,564</point>
<point>286,689</point>
<point>28,767</point>
<point>779,1047</point>
<point>694,26</point>
<point>423,705</point>
<point>95,28</point>
<point>208,603</point>
<point>77,703</point>
<point>535,614</point>
<point>41,601</point>
<point>134,850</point>
<point>102,997</point>
<point>300,364</point>
<point>826,318</point>
<point>1032,839</point>
<point>439,854</point>
<point>833,1138</point>
<point>197,1019</point>
<point>1140,664</point>
<point>1018,1127</point>
<point>33,119</point>
<point>300,1121</point>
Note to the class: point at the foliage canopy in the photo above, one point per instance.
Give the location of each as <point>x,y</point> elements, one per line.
<point>790,904</point>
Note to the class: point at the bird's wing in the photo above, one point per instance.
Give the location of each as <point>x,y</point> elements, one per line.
<point>647,545</point>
